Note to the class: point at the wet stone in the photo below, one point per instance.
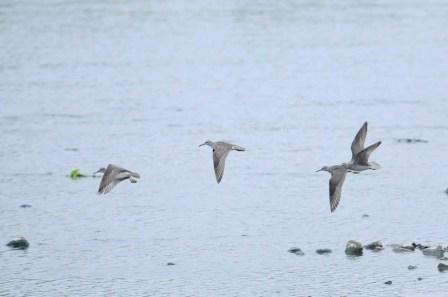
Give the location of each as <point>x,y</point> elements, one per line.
<point>323,251</point>
<point>442,267</point>
<point>374,246</point>
<point>296,251</point>
<point>412,140</point>
<point>353,248</point>
<point>437,252</point>
<point>403,248</point>
<point>19,243</point>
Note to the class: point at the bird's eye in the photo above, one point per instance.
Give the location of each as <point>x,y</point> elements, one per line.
<point>213,150</point>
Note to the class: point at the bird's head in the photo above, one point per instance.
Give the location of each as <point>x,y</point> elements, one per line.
<point>101,170</point>
<point>208,142</point>
<point>325,168</point>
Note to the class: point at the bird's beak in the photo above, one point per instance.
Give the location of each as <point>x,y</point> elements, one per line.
<point>98,171</point>
<point>202,144</point>
<point>318,170</point>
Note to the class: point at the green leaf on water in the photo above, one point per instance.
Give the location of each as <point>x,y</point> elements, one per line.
<point>75,173</point>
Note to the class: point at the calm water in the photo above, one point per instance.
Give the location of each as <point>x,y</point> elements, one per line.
<point>142,83</point>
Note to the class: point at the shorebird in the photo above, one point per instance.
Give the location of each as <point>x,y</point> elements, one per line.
<point>360,155</point>
<point>337,179</point>
<point>113,175</point>
<point>220,152</point>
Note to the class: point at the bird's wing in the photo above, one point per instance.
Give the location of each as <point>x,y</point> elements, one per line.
<point>111,178</point>
<point>336,182</point>
<point>219,160</point>
<point>358,141</point>
<point>363,156</point>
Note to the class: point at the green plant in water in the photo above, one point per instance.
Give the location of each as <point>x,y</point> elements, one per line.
<point>75,173</point>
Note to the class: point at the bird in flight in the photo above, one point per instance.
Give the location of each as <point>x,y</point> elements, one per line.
<point>359,162</point>
<point>220,151</point>
<point>360,155</point>
<point>337,179</point>
<point>113,175</point>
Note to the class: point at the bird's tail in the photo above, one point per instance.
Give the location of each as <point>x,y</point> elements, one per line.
<point>238,148</point>
<point>374,165</point>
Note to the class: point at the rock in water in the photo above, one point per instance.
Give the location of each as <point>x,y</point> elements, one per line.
<point>19,243</point>
<point>412,140</point>
<point>170,264</point>
<point>388,283</point>
<point>402,248</point>
<point>374,246</point>
<point>442,267</point>
<point>433,251</point>
<point>323,251</point>
<point>419,246</point>
<point>297,251</point>
<point>412,267</point>
<point>25,206</point>
<point>353,248</point>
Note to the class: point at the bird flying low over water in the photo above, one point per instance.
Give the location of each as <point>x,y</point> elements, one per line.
<point>337,179</point>
<point>220,152</point>
<point>359,162</point>
<point>360,155</point>
<point>113,175</point>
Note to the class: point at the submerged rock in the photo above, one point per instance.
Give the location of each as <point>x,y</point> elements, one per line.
<point>403,248</point>
<point>419,278</point>
<point>412,140</point>
<point>365,215</point>
<point>433,251</point>
<point>412,267</point>
<point>25,205</point>
<point>419,246</point>
<point>388,283</point>
<point>19,243</point>
<point>170,264</point>
<point>353,248</point>
<point>442,267</point>
<point>323,251</point>
<point>374,246</point>
<point>296,250</point>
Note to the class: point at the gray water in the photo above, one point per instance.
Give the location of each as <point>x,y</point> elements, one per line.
<point>142,83</point>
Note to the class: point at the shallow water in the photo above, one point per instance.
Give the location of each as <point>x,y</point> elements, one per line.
<point>142,83</point>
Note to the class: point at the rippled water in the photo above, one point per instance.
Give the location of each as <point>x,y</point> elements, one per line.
<point>142,83</point>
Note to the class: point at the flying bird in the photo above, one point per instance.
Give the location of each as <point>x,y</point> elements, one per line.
<point>220,152</point>
<point>359,162</point>
<point>360,155</point>
<point>113,175</point>
<point>338,173</point>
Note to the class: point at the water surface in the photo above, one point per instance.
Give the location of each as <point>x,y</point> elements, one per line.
<point>142,83</point>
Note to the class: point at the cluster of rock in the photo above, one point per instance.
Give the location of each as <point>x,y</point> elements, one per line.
<point>354,248</point>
